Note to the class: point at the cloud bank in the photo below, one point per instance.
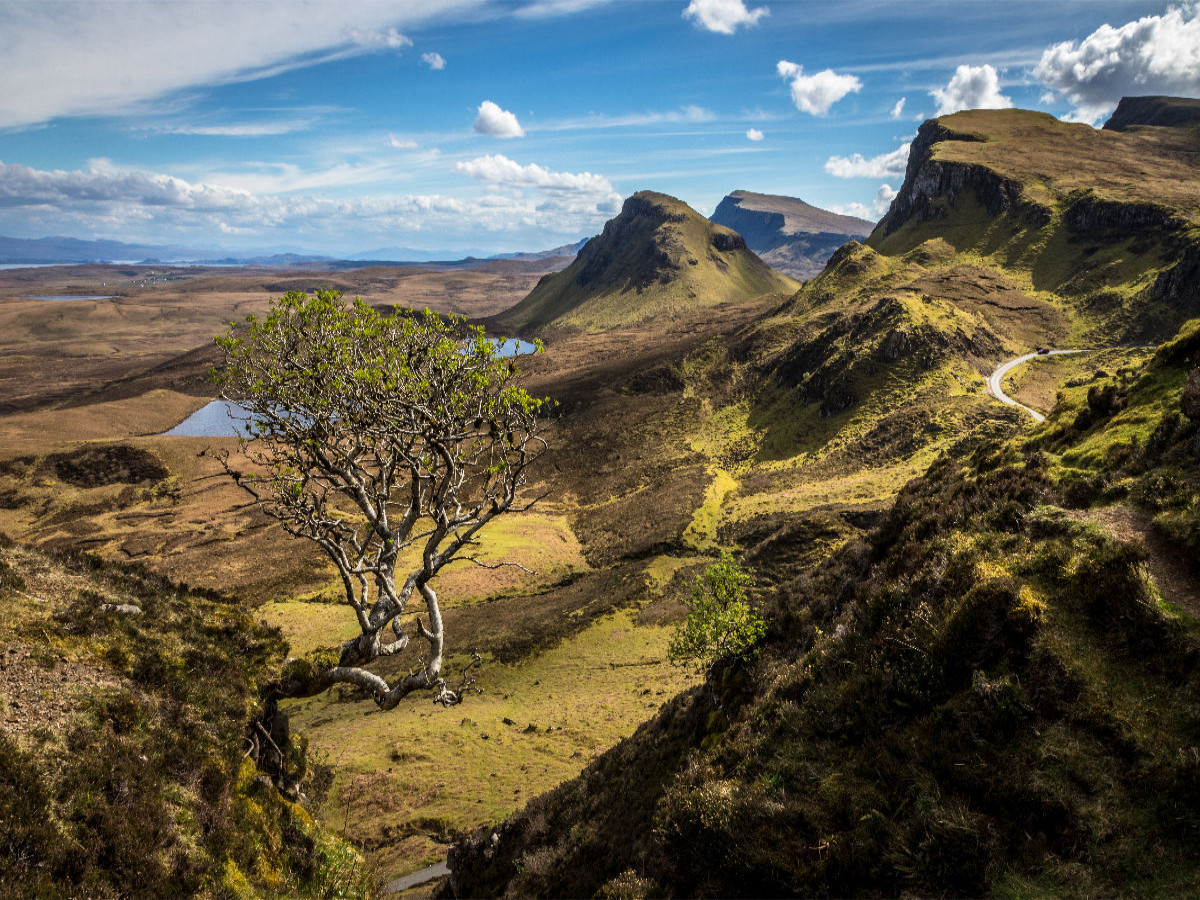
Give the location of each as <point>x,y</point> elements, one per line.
<point>146,206</point>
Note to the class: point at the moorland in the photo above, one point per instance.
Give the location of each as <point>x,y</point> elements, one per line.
<point>979,670</point>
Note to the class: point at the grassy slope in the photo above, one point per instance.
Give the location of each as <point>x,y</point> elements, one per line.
<point>872,370</point>
<point>121,748</point>
<point>984,696</point>
<point>659,260</point>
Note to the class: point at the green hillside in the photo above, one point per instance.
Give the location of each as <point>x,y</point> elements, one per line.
<point>986,685</point>
<point>994,692</point>
<point>658,260</point>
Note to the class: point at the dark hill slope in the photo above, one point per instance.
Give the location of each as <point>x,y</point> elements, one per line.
<point>1172,112</point>
<point>788,233</point>
<point>124,770</point>
<point>658,260</point>
<point>986,696</point>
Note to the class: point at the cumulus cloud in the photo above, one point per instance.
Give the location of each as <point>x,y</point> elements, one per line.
<point>1154,55</point>
<point>886,165</point>
<point>723,16</point>
<point>883,199</point>
<point>497,122</point>
<point>104,58</point>
<point>754,134</point>
<point>815,94</point>
<point>435,61</point>
<point>972,87</point>
<point>498,169</point>
<point>898,109</point>
<point>875,211</point>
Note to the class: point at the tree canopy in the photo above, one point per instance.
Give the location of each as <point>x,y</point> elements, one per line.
<point>371,434</point>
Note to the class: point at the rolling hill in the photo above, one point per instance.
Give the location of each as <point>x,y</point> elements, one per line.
<point>657,260</point>
<point>789,234</point>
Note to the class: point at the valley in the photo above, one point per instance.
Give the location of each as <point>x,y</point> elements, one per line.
<point>969,685</point>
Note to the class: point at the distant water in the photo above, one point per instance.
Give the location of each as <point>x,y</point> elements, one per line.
<point>73,297</point>
<point>514,347</point>
<point>217,419</point>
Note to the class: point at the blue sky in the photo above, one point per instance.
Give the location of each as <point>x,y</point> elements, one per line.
<point>475,124</point>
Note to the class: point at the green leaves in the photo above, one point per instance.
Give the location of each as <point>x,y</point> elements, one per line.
<point>720,620</point>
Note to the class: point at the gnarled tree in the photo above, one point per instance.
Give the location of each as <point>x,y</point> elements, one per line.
<point>370,434</point>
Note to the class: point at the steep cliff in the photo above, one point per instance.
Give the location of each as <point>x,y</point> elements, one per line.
<point>789,234</point>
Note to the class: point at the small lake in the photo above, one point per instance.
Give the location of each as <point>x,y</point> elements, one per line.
<point>73,297</point>
<point>515,347</point>
<point>222,418</point>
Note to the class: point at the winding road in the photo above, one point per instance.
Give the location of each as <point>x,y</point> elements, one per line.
<point>996,379</point>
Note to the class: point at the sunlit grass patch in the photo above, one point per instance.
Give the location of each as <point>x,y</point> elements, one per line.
<point>421,769</point>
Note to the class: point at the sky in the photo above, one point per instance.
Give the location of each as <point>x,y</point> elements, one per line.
<point>343,127</point>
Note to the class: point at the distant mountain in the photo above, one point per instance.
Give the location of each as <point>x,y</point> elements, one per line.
<point>658,259</point>
<point>789,234</point>
<point>564,250</point>
<point>409,254</point>
<point>73,250</point>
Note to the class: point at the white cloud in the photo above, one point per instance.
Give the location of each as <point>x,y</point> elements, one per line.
<point>545,9</point>
<point>972,87</point>
<point>501,170</point>
<point>401,143</point>
<point>874,212</point>
<point>883,199</point>
<point>898,109</point>
<point>1154,55</point>
<point>684,115</point>
<point>435,61</point>
<point>533,204</point>
<point>723,16</point>
<point>497,122</point>
<point>886,165</point>
<point>754,134</point>
<point>391,39</point>
<point>104,58</point>
<point>815,94</point>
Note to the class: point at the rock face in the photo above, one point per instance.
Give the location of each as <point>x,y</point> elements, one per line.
<point>1171,112</point>
<point>658,259</point>
<point>788,233</point>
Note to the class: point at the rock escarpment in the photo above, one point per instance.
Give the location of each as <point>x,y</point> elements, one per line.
<point>789,234</point>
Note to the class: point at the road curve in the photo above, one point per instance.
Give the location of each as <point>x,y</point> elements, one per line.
<point>413,879</point>
<point>996,379</point>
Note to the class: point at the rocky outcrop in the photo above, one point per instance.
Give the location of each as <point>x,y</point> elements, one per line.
<point>1170,112</point>
<point>931,184</point>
